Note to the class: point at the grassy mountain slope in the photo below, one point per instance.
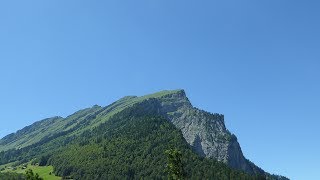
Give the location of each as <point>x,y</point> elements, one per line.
<point>46,128</point>
<point>74,124</point>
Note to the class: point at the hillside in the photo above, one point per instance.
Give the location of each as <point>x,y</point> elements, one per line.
<point>76,123</point>
<point>130,136</point>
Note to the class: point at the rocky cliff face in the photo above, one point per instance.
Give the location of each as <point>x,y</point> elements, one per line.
<point>204,131</point>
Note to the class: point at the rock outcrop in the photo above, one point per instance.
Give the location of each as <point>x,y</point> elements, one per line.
<point>204,131</point>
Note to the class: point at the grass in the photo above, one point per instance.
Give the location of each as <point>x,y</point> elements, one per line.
<point>43,171</point>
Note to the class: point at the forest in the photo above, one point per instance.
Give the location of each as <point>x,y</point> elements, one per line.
<point>131,145</point>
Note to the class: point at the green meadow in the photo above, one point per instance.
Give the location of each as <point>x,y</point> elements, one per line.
<point>46,172</point>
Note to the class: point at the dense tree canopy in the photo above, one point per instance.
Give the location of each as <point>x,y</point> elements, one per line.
<point>132,145</point>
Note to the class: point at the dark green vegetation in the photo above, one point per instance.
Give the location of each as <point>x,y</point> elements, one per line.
<point>126,140</point>
<point>12,176</point>
<point>175,166</point>
<point>32,176</point>
<point>29,175</point>
<point>131,144</point>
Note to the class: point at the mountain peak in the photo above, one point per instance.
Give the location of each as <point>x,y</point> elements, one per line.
<point>170,96</point>
<point>179,92</point>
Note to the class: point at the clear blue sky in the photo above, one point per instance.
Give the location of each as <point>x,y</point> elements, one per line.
<point>257,62</point>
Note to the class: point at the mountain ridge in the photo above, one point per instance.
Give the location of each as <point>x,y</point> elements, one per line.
<point>205,132</point>
<point>117,106</point>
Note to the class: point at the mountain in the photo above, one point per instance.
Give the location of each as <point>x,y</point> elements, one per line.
<point>146,125</point>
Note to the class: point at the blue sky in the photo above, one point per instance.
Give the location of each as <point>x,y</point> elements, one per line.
<point>257,62</point>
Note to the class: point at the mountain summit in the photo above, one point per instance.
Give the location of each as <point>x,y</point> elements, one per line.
<point>95,131</point>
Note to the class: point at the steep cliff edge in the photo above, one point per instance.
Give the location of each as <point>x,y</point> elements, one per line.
<point>204,131</point>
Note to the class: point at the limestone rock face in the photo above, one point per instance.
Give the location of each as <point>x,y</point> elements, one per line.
<point>204,131</point>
